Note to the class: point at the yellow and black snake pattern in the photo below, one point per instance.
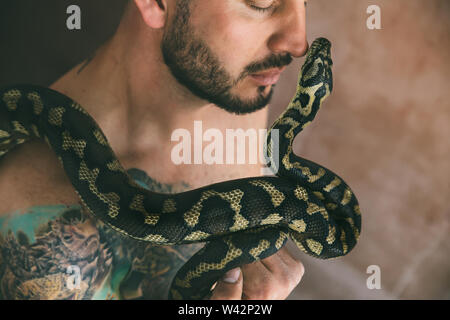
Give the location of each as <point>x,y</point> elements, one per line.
<point>241,220</point>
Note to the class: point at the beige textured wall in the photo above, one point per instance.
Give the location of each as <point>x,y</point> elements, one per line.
<point>385,130</point>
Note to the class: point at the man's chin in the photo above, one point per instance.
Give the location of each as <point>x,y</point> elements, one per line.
<point>240,107</point>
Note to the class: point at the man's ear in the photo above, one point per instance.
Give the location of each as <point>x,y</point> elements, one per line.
<point>153,12</point>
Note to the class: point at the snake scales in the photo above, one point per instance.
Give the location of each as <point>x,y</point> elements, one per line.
<point>241,220</point>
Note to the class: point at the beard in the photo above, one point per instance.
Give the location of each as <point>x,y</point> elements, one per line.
<point>196,67</point>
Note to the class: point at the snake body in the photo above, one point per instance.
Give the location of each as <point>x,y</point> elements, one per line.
<point>241,220</point>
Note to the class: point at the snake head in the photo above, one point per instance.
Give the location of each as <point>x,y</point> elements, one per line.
<point>317,66</point>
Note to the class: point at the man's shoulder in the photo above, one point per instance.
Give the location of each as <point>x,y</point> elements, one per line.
<point>32,175</point>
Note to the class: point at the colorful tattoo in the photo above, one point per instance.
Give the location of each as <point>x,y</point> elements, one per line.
<point>63,252</point>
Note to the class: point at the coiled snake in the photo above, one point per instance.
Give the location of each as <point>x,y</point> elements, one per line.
<point>241,220</point>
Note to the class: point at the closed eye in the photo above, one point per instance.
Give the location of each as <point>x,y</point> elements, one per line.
<point>266,9</point>
<point>261,6</point>
<point>261,9</point>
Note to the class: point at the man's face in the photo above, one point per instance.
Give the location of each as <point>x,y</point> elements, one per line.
<point>213,47</point>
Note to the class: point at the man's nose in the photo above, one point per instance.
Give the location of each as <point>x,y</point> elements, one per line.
<point>290,36</point>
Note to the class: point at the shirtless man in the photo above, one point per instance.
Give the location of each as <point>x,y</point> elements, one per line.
<point>170,63</point>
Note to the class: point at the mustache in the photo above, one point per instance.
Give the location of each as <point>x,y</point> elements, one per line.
<point>274,61</point>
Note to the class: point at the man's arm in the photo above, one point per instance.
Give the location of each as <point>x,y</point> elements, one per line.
<point>52,252</point>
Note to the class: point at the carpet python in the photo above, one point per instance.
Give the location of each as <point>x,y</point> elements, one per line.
<point>241,220</point>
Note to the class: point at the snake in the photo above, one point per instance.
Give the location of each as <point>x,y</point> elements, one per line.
<point>240,221</point>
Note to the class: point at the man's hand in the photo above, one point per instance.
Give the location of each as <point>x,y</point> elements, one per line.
<point>272,278</point>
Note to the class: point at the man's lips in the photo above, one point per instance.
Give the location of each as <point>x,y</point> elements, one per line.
<point>268,77</point>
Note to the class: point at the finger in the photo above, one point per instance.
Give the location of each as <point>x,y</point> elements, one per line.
<point>256,268</point>
<point>229,287</point>
<point>272,278</point>
<point>259,282</point>
<point>287,256</point>
<point>274,263</point>
<point>294,264</point>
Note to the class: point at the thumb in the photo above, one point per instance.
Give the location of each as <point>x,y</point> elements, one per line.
<point>229,287</point>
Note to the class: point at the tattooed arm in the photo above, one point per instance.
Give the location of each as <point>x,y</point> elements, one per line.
<point>50,247</point>
<point>62,252</point>
<point>52,252</point>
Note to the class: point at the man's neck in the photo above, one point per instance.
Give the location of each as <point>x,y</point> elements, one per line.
<point>138,104</point>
